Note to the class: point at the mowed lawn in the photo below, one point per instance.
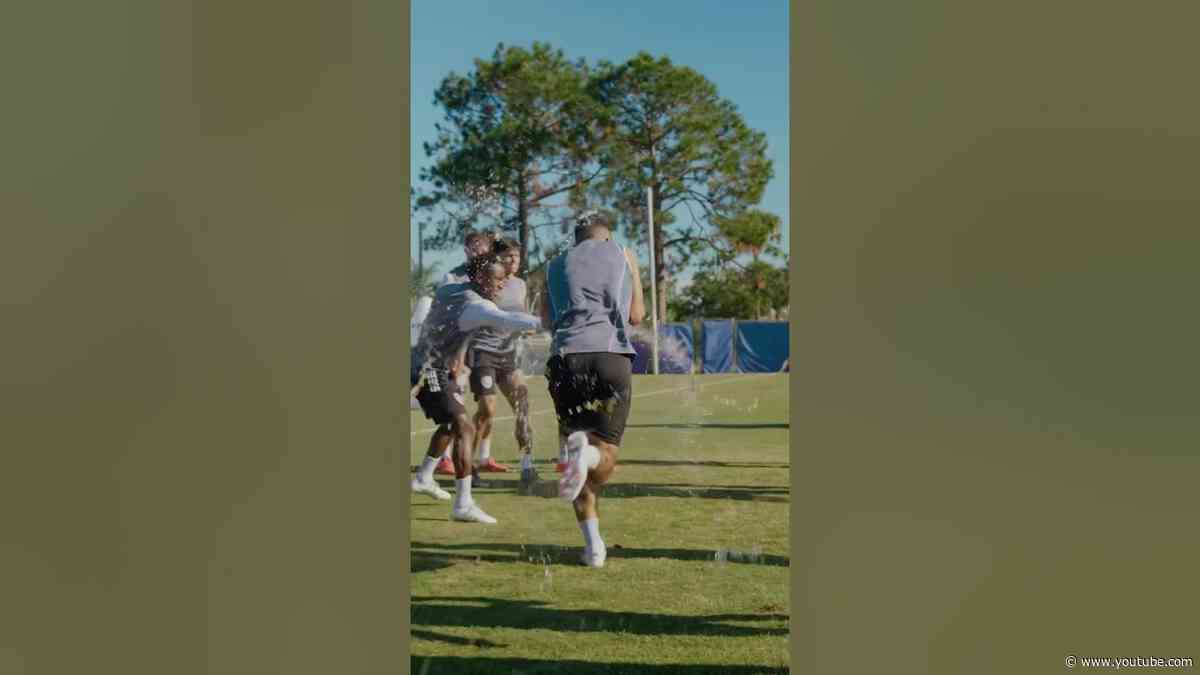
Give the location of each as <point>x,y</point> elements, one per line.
<point>696,523</point>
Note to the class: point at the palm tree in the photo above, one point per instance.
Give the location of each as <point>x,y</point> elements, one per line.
<point>753,231</point>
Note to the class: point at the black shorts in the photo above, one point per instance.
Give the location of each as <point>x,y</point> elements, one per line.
<point>440,397</point>
<point>490,372</point>
<point>592,393</point>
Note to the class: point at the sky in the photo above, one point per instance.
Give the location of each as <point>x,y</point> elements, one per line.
<point>742,48</point>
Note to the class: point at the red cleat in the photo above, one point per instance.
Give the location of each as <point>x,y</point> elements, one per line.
<point>559,467</point>
<point>489,465</point>
<point>445,467</point>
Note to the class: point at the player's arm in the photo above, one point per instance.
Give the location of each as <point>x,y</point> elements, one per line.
<point>458,361</point>
<point>637,304</point>
<point>487,314</point>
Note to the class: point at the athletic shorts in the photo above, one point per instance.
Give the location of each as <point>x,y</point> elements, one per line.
<point>440,397</point>
<point>592,393</point>
<point>490,372</point>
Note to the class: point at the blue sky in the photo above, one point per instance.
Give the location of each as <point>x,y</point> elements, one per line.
<point>741,47</point>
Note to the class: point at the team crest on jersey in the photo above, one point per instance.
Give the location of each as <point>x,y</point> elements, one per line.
<point>486,381</point>
<point>459,397</point>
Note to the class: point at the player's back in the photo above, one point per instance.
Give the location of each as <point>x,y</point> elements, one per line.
<point>589,291</point>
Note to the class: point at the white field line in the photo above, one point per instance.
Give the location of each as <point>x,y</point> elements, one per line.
<point>649,393</point>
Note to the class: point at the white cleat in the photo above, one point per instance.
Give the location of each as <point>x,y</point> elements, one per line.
<point>575,472</point>
<point>471,514</point>
<point>594,558</point>
<point>431,488</point>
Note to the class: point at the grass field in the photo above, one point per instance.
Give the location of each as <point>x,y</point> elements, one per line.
<point>696,523</point>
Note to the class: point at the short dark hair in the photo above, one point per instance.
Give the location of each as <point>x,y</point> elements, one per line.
<point>505,244</point>
<point>479,264</point>
<point>591,224</point>
<point>475,235</point>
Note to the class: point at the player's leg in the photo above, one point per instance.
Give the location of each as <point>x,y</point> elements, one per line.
<point>457,434</point>
<point>593,453</point>
<point>516,392</point>
<point>464,507</point>
<point>560,383</point>
<point>429,398</point>
<point>485,385</point>
<point>445,465</point>
<point>484,414</point>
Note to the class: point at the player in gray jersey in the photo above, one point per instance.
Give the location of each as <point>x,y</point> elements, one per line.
<point>475,243</point>
<point>458,310</point>
<point>594,296</point>
<point>494,368</point>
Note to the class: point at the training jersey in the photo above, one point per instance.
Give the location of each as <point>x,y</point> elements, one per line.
<point>458,275</point>
<point>512,299</point>
<point>457,312</point>
<point>589,291</point>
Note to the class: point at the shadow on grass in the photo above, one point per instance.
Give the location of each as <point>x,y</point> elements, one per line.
<point>514,475</point>
<point>454,639</point>
<point>426,556</point>
<point>616,489</point>
<point>745,493</point>
<point>436,665</point>
<point>686,462</point>
<point>535,614</point>
<point>712,425</point>
<point>547,488</point>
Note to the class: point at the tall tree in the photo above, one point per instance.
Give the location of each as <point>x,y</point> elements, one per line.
<point>753,231</point>
<point>737,293</point>
<point>517,134</point>
<point>668,129</point>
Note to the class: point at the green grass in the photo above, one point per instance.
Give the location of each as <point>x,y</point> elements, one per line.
<point>698,473</point>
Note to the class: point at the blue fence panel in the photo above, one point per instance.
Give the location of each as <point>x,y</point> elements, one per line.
<point>674,350</point>
<point>762,346</point>
<point>718,347</point>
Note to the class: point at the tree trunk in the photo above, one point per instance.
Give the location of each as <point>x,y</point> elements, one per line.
<point>523,228</point>
<point>660,274</point>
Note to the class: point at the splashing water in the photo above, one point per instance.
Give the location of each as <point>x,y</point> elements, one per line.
<point>753,556</point>
<point>672,352</point>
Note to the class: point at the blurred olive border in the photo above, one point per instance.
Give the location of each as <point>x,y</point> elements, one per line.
<point>993,434</point>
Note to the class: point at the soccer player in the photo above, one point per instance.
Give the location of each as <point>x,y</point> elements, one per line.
<point>475,243</point>
<point>458,310</point>
<point>594,294</point>
<point>494,367</point>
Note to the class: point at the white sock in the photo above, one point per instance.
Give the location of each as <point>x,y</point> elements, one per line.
<point>462,493</point>
<point>425,473</point>
<point>446,454</point>
<point>526,461</point>
<point>591,534</point>
<point>485,450</point>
